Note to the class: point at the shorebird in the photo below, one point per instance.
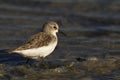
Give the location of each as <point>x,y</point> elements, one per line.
<point>41,44</point>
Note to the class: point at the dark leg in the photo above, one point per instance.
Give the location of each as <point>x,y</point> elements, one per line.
<point>44,63</point>
<point>27,61</point>
<point>43,60</point>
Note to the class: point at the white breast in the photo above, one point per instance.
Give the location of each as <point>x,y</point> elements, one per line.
<point>38,52</point>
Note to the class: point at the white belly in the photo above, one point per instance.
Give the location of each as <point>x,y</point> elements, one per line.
<point>38,52</point>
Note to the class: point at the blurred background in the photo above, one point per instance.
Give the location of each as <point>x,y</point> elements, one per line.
<point>92,26</point>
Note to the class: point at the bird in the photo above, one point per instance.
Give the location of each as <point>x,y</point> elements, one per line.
<point>41,44</point>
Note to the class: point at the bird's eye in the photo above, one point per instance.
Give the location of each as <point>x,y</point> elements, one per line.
<point>55,27</point>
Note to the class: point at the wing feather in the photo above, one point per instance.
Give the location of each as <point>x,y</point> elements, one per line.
<point>37,40</point>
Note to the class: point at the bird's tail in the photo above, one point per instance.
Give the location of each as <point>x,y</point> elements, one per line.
<point>9,50</point>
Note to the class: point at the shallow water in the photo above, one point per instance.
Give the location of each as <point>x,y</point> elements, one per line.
<point>92,27</point>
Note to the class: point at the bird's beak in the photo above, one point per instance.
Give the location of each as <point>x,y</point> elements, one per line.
<point>62,33</point>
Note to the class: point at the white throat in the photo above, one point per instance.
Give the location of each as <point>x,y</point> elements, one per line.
<point>54,33</point>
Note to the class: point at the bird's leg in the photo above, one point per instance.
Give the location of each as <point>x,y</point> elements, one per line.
<point>43,62</point>
<point>27,61</point>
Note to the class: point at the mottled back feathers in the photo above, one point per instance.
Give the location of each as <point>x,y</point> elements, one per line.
<point>37,40</point>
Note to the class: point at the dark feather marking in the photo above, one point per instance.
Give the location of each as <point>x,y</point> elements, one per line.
<point>37,40</point>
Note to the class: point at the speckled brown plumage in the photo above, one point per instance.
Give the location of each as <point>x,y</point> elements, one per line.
<point>40,39</point>
<point>37,40</point>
